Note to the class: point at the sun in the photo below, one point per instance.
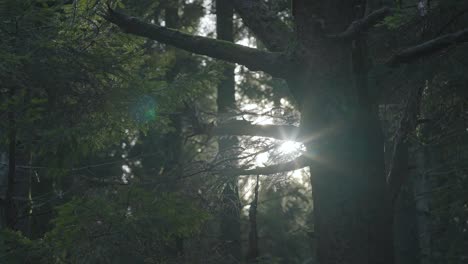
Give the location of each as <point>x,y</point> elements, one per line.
<point>290,147</point>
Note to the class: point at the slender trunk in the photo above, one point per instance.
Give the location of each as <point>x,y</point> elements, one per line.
<point>42,214</point>
<point>422,191</point>
<point>253,251</point>
<point>174,140</point>
<point>230,215</point>
<point>3,181</point>
<point>10,208</point>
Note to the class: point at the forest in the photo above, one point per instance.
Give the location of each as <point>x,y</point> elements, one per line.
<point>233,131</point>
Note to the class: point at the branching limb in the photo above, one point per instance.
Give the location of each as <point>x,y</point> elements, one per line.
<point>428,48</point>
<point>245,128</point>
<point>266,26</point>
<point>398,172</point>
<point>253,59</point>
<point>362,25</point>
<point>296,164</point>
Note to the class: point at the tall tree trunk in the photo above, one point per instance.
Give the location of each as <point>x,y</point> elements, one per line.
<point>174,139</point>
<point>253,251</point>
<point>10,208</point>
<point>43,194</point>
<point>352,212</point>
<point>3,181</point>
<point>353,218</point>
<point>422,192</point>
<point>405,224</point>
<point>230,215</point>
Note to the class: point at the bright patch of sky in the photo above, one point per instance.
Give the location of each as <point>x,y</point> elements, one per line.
<point>208,21</point>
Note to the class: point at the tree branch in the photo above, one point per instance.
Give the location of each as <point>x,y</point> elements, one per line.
<point>266,26</point>
<point>253,59</point>
<point>362,25</point>
<point>428,48</point>
<point>245,128</point>
<point>296,164</point>
<point>398,172</point>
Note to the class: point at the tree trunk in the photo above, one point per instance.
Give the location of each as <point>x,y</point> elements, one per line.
<point>10,208</point>
<point>174,140</point>
<point>353,219</point>
<point>422,194</point>
<point>406,226</point>
<point>352,212</point>
<point>230,213</point>
<point>253,251</point>
<point>353,216</point>
<point>3,184</point>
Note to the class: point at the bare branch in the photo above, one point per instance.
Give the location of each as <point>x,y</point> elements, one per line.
<point>245,128</point>
<point>266,26</point>
<point>398,172</point>
<point>253,59</point>
<point>362,25</point>
<point>428,48</point>
<point>296,164</point>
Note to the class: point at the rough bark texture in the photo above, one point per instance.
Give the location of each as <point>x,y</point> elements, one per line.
<point>398,165</point>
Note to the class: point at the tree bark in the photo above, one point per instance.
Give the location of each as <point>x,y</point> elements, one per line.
<point>10,208</point>
<point>352,211</point>
<point>3,180</point>
<point>230,213</point>
<point>405,217</point>
<point>353,216</point>
<point>253,253</point>
<point>174,139</point>
<point>422,195</point>
<point>254,59</point>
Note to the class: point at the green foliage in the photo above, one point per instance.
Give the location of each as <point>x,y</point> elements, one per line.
<point>284,213</point>
<point>78,88</point>
<point>18,249</point>
<point>115,227</point>
<point>92,230</point>
<point>396,20</point>
<point>77,83</point>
